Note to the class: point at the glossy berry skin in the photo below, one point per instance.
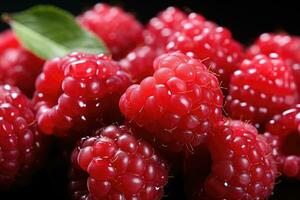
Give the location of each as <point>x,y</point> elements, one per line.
<point>139,62</point>
<point>242,166</point>
<point>286,46</point>
<point>113,164</point>
<point>119,30</point>
<point>209,42</point>
<point>177,105</point>
<point>20,143</point>
<point>8,40</point>
<point>18,66</point>
<point>161,27</point>
<point>262,87</point>
<point>282,132</point>
<point>75,92</point>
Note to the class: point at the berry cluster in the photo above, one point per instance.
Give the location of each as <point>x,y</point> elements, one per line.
<point>209,42</point>
<point>157,98</point>
<point>21,145</point>
<point>178,105</point>
<point>118,165</point>
<point>75,93</point>
<point>261,87</point>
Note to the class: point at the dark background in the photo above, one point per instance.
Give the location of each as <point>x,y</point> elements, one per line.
<point>246,20</point>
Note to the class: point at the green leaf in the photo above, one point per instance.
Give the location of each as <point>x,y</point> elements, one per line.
<point>49,32</point>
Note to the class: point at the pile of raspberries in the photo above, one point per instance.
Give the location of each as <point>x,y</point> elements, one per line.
<point>178,95</point>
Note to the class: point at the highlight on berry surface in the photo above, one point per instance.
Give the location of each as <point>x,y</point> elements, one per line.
<point>49,32</point>
<point>113,163</point>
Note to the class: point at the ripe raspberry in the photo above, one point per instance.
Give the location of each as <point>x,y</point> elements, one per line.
<point>139,62</point>
<point>20,143</point>
<point>18,66</point>
<point>120,31</point>
<point>282,132</point>
<point>161,27</point>
<point>8,40</point>
<point>242,166</point>
<point>288,47</point>
<point>261,88</point>
<point>211,43</point>
<point>75,92</point>
<point>177,105</point>
<point>115,165</point>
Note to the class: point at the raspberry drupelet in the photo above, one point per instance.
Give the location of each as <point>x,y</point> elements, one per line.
<point>282,132</point>
<point>8,40</point>
<point>209,42</point>
<point>75,92</point>
<point>161,27</point>
<point>286,46</point>
<point>139,62</point>
<point>21,145</point>
<point>242,165</point>
<point>113,164</point>
<point>18,66</point>
<point>262,87</point>
<point>119,30</point>
<point>177,105</point>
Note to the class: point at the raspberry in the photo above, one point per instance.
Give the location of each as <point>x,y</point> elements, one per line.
<point>120,31</point>
<point>262,87</point>
<point>288,47</point>
<point>177,105</point>
<point>139,62</point>
<point>242,166</point>
<point>8,40</point>
<point>18,66</point>
<point>115,165</point>
<point>75,92</point>
<point>211,43</point>
<point>20,142</point>
<point>282,132</point>
<point>161,27</point>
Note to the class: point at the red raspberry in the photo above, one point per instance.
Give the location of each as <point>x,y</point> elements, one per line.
<point>261,88</point>
<point>242,166</point>
<point>282,132</point>
<point>178,104</point>
<point>120,31</point>
<point>139,62</point>
<point>75,92</point>
<point>211,43</point>
<point>288,47</point>
<point>18,66</point>
<point>115,165</point>
<point>20,143</point>
<point>8,40</point>
<point>161,27</point>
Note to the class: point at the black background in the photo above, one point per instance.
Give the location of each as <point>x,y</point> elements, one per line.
<point>246,19</point>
